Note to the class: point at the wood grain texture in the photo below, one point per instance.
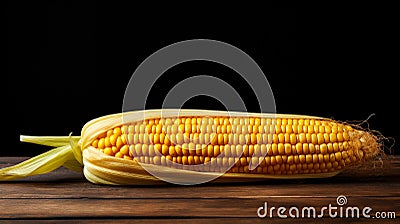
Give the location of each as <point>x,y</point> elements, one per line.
<point>65,196</point>
<point>200,221</point>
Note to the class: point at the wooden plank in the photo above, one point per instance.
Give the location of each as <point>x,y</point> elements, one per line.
<point>64,195</point>
<point>201,220</point>
<point>87,190</point>
<point>204,221</point>
<point>172,208</point>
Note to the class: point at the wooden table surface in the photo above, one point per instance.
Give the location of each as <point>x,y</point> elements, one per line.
<point>65,196</point>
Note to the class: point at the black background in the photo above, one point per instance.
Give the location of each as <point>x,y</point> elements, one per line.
<point>70,62</point>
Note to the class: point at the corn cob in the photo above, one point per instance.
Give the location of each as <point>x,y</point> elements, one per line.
<point>274,146</point>
<point>116,148</point>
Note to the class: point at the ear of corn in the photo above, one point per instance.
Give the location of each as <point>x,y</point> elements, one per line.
<point>178,145</point>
